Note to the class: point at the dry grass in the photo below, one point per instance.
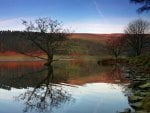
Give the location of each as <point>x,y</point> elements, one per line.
<point>94,37</point>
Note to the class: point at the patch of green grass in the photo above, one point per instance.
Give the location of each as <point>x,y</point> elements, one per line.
<point>140,60</point>
<point>146,103</point>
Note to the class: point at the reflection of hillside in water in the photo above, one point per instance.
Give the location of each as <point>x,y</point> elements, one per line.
<point>19,74</point>
<point>80,72</point>
<point>28,74</point>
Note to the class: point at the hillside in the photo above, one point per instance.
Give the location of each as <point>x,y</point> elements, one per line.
<point>94,37</point>
<point>79,44</point>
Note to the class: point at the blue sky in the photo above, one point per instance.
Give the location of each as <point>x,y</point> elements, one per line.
<point>85,16</point>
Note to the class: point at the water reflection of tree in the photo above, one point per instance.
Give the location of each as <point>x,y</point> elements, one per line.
<point>46,95</point>
<point>117,74</point>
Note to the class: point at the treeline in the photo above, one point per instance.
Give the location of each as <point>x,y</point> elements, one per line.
<point>17,41</point>
<point>14,41</point>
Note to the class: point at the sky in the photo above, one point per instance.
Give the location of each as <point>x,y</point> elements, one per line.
<point>80,16</point>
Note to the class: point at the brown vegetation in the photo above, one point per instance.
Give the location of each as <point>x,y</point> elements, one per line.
<point>94,37</point>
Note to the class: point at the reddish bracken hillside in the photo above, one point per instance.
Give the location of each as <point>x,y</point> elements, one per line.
<point>7,53</point>
<point>11,53</point>
<point>94,37</point>
<point>11,65</point>
<point>101,38</point>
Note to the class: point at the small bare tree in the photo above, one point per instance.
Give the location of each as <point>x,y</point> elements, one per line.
<point>114,46</point>
<point>137,35</point>
<point>46,34</point>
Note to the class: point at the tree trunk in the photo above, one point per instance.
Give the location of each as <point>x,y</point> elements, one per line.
<point>49,60</point>
<point>116,56</point>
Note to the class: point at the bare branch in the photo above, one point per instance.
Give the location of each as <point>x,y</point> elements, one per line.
<point>136,35</point>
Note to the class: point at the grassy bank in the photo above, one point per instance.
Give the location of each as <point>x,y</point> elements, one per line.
<point>140,61</point>
<point>138,72</point>
<point>20,57</point>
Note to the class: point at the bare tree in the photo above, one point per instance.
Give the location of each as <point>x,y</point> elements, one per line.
<point>114,46</point>
<point>46,34</point>
<point>137,35</point>
<point>145,5</point>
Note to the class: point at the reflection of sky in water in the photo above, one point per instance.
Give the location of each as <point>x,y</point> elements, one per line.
<point>89,98</point>
<point>7,102</point>
<point>86,87</point>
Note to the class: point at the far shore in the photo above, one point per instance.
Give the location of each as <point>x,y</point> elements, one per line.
<point>19,58</point>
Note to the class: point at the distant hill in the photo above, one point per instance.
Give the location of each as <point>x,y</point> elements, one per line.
<point>79,43</point>
<point>94,37</point>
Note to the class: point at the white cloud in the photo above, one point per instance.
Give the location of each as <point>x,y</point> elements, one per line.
<point>94,27</point>
<point>13,23</point>
<point>80,27</point>
<point>112,25</point>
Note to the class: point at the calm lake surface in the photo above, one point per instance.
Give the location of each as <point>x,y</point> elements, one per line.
<point>65,87</point>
